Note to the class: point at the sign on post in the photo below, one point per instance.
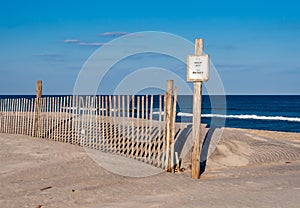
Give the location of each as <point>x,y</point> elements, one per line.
<point>198,68</point>
<point>197,72</point>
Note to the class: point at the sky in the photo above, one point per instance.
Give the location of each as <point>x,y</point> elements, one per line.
<point>254,45</point>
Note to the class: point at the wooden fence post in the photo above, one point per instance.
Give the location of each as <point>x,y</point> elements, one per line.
<point>168,125</point>
<point>38,108</point>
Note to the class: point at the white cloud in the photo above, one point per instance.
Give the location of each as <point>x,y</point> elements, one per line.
<point>113,34</point>
<point>71,41</point>
<point>91,44</point>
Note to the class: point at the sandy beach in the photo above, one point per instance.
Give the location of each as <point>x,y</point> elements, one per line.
<point>250,168</point>
<point>160,104</point>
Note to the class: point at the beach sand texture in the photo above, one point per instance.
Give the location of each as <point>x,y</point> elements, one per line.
<point>249,168</point>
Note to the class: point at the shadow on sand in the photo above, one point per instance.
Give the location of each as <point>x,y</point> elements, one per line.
<point>184,143</point>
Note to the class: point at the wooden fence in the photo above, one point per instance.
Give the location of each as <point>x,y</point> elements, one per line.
<point>122,125</point>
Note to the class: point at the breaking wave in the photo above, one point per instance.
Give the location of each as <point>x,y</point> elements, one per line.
<point>255,117</point>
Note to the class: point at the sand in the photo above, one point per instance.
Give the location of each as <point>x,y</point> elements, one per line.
<point>249,168</point>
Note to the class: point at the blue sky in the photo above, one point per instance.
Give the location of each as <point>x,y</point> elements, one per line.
<point>255,45</point>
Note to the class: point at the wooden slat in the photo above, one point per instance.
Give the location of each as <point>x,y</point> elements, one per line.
<point>143,127</point>
<point>160,139</point>
<point>32,119</point>
<point>5,115</point>
<point>147,138</point>
<point>118,126</point>
<point>114,124</point>
<point>138,128</point>
<point>123,125</point>
<point>152,142</point>
<point>128,127</point>
<point>106,137</point>
<point>10,116</point>
<point>61,102</point>
<point>82,122</point>
<point>1,116</point>
<point>132,126</point>
<point>102,138</point>
<point>15,116</point>
<point>110,124</point>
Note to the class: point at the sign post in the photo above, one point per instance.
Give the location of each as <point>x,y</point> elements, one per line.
<point>197,72</point>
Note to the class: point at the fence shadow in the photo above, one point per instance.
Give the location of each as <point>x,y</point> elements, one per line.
<point>205,148</point>
<point>182,141</point>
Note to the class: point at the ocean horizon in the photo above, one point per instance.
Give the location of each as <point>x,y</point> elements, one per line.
<point>262,112</point>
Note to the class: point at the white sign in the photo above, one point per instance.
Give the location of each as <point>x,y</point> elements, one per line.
<point>198,68</point>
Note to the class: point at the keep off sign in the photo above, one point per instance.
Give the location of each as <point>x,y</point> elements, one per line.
<point>198,68</point>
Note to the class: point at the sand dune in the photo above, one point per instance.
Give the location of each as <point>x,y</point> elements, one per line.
<point>240,147</point>
<point>248,169</point>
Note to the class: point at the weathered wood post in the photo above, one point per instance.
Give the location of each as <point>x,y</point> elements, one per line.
<point>168,125</point>
<point>197,72</point>
<point>39,89</point>
<point>38,108</point>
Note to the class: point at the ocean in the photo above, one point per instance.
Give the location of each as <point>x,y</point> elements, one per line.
<point>265,112</point>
